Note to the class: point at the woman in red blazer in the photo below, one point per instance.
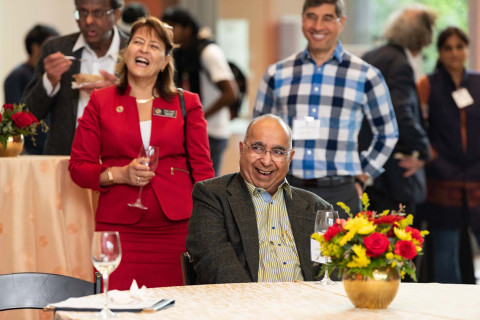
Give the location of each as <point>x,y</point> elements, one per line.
<point>144,109</point>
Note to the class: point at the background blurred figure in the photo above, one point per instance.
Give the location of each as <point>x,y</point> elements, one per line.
<point>93,50</point>
<point>144,109</point>
<point>202,68</point>
<point>451,100</point>
<point>407,33</point>
<point>131,13</point>
<point>18,79</point>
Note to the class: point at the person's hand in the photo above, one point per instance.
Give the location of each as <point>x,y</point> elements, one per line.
<point>109,79</point>
<point>137,174</point>
<point>55,65</point>
<point>363,177</point>
<point>411,164</point>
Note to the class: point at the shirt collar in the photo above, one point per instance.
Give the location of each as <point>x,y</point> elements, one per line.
<point>284,185</point>
<point>337,53</point>
<point>112,51</point>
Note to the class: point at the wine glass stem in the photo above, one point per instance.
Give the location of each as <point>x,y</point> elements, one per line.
<point>105,289</point>
<point>326,274</point>
<point>139,198</point>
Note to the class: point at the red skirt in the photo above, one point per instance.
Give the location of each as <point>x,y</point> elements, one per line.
<point>151,248</point>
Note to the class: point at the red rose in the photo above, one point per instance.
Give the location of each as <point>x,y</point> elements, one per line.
<point>332,232</point>
<point>21,119</point>
<point>415,234</point>
<point>388,219</point>
<point>1,117</point>
<point>32,116</point>
<point>8,106</point>
<point>405,249</point>
<point>376,244</point>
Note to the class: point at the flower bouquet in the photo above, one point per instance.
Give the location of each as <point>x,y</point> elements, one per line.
<point>371,252</point>
<point>369,241</point>
<point>15,120</point>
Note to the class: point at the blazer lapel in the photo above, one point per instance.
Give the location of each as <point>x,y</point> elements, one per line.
<point>302,220</point>
<point>244,213</point>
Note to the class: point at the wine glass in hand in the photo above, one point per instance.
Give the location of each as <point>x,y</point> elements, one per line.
<point>106,256</point>
<point>148,157</point>
<point>324,220</point>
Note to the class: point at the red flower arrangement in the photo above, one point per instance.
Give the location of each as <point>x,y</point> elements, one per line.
<point>16,119</point>
<point>369,241</point>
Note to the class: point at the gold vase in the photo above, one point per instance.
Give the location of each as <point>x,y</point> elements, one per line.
<point>372,293</point>
<point>14,146</point>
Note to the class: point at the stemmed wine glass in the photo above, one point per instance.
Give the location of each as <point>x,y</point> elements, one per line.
<point>324,220</point>
<point>106,256</point>
<point>148,157</point>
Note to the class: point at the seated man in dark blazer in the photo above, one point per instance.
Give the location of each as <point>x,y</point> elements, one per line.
<point>252,225</point>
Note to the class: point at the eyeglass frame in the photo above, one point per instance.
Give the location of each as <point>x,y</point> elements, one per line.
<point>94,13</point>
<point>263,152</point>
<point>326,19</point>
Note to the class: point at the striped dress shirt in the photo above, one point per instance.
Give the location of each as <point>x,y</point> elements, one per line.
<point>339,93</point>
<point>278,257</point>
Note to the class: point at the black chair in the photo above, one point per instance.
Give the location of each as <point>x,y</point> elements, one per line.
<point>32,290</point>
<point>188,273</point>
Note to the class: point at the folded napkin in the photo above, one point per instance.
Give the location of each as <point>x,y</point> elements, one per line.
<point>133,300</point>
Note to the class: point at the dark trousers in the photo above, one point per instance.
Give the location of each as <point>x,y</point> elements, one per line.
<point>217,147</point>
<point>346,193</point>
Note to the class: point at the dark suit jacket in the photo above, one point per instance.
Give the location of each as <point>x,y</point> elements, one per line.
<point>393,63</point>
<point>63,105</point>
<point>222,233</point>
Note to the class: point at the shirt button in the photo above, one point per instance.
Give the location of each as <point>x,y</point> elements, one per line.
<point>284,263</point>
<point>309,152</point>
<point>273,228</point>
<point>314,110</point>
<point>315,89</point>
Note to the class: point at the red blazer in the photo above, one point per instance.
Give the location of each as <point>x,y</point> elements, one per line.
<point>108,134</point>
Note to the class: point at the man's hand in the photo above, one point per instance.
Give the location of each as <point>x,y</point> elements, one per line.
<point>55,65</point>
<point>411,164</point>
<point>109,80</point>
<point>360,188</point>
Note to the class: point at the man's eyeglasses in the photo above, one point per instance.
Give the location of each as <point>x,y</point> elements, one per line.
<point>96,14</point>
<point>326,19</point>
<point>260,152</point>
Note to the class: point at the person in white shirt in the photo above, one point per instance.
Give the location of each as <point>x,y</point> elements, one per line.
<point>202,68</point>
<point>93,50</point>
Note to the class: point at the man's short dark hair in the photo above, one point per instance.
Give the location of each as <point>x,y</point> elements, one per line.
<point>38,34</point>
<point>114,4</point>
<point>339,5</point>
<point>181,16</point>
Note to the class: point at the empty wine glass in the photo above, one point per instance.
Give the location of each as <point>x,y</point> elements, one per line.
<point>324,220</point>
<point>148,157</point>
<point>106,256</point>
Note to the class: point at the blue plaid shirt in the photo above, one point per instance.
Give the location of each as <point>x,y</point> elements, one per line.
<point>339,93</point>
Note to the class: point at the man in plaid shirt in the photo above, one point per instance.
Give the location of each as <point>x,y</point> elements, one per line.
<point>324,93</point>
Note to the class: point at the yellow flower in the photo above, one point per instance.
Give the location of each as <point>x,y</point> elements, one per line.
<point>365,201</point>
<point>402,234</point>
<point>385,212</point>
<point>361,224</point>
<point>389,255</point>
<point>345,208</point>
<point>360,260</point>
<point>317,237</point>
<point>405,222</point>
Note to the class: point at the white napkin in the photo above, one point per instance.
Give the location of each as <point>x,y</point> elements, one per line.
<point>134,298</point>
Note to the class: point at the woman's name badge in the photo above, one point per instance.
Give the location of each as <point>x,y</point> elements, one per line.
<point>462,98</point>
<point>164,113</point>
<point>306,128</point>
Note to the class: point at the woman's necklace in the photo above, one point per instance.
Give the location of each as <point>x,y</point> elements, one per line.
<point>145,100</point>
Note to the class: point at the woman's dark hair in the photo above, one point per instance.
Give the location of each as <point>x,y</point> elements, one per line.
<point>443,37</point>
<point>181,16</point>
<point>164,84</point>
